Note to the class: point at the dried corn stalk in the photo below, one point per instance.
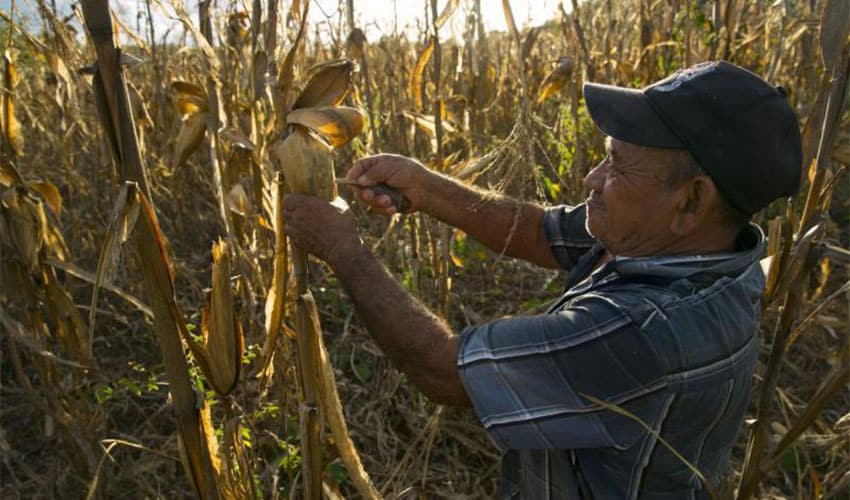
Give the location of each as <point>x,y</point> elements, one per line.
<point>198,443</point>
<point>315,124</point>
<point>12,140</point>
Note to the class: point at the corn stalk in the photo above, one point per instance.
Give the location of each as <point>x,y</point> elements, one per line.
<point>835,28</point>
<point>117,120</point>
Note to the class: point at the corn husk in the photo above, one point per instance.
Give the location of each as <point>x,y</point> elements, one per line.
<point>307,164</point>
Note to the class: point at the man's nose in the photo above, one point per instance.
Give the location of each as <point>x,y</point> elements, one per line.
<point>595,179</point>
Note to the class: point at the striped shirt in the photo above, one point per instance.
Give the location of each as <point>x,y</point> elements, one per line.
<point>671,340</point>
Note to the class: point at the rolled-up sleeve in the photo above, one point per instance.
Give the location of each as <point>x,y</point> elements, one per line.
<point>526,376</point>
<point>564,227</point>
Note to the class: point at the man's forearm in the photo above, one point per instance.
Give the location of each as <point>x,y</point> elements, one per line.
<point>502,224</point>
<point>418,342</point>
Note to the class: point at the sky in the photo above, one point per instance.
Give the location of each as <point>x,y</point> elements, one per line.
<point>377,16</point>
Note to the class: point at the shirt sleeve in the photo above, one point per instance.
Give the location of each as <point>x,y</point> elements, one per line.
<point>564,227</point>
<point>526,376</point>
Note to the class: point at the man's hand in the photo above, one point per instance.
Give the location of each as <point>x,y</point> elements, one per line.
<point>402,173</point>
<point>326,230</point>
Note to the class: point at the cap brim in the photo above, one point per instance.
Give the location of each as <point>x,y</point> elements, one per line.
<point>626,115</point>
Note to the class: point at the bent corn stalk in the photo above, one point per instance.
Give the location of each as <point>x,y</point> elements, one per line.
<point>110,90</point>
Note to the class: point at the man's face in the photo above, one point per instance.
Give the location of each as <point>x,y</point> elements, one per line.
<point>630,207</point>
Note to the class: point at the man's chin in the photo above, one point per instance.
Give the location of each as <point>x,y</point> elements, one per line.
<point>593,226</point>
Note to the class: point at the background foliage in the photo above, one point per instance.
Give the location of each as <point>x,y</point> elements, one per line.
<point>86,409</point>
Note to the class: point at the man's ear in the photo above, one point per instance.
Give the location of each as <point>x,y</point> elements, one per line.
<point>694,201</point>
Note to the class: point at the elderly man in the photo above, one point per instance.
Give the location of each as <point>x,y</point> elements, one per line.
<point>662,300</point>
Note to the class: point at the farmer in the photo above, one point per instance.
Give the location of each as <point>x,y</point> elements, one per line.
<point>662,300</point>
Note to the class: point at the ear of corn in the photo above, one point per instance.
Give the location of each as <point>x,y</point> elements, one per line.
<point>192,104</point>
<point>224,341</point>
<point>307,164</point>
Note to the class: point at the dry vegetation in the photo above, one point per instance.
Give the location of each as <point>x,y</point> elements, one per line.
<point>123,336</point>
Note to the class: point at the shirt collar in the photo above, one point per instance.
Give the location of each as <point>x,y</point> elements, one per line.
<point>751,243</point>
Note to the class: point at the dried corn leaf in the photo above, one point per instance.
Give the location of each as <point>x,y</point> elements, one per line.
<point>200,40</point>
<point>20,334</point>
<point>295,10</point>
<point>841,154</point>
<point>286,74</point>
<point>259,66</point>
<point>426,123</point>
<point>239,202</point>
<point>509,19</point>
<point>556,79</point>
<point>190,98</point>
<point>89,277</point>
<point>224,341</point>
<point>812,129</point>
<point>447,13</point>
<point>328,85</point>
<point>338,125</point>
<point>11,128</point>
<point>50,193</point>
<point>236,476</point>
<point>235,138</point>
<point>9,175</point>
<point>458,238</point>
<point>283,93</point>
<point>275,301</point>
<point>415,83</point>
<point>103,110</point>
<point>69,328</point>
<point>307,164</point>
<point>355,44</point>
<point>332,411</point>
<point>126,204</point>
<point>22,226</point>
<point>834,30</point>
<point>189,138</point>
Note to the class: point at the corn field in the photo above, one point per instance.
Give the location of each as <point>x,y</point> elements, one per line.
<point>160,337</point>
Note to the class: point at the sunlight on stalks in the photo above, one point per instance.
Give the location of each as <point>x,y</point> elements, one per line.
<point>213,118</point>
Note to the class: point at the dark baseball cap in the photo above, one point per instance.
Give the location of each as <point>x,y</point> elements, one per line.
<point>739,128</point>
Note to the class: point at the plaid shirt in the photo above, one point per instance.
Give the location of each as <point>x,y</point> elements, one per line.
<point>672,340</point>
